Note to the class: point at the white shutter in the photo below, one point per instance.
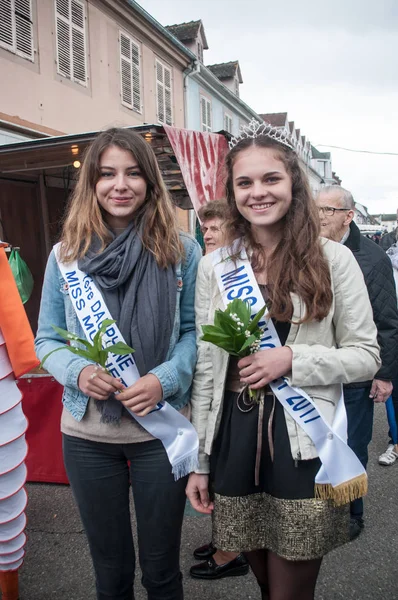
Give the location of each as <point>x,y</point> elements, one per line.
<point>160,92</point>
<point>78,42</point>
<point>24,28</point>
<point>205,110</point>
<point>16,27</point>
<point>168,96</point>
<point>7,24</point>
<point>136,76</point>
<point>71,40</point>
<point>164,94</point>
<point>203,113</point>
<point>209,116</point>
<point>228,123</point>
<point>130,73</point>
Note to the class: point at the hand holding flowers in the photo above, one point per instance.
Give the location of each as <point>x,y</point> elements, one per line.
<point>94,380</point>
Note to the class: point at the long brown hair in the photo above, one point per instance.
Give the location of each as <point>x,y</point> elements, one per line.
<point>85,218</point>
<point>298,263</point>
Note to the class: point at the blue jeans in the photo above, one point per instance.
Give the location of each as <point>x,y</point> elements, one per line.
<point>360,410</point>
<point>395,403</point>
<point>100,478</point>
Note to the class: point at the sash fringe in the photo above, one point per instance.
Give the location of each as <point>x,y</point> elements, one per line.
<point>185,466</point>
<point>345,492</point>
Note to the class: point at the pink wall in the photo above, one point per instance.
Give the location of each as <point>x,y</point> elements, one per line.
<point>36,93</point>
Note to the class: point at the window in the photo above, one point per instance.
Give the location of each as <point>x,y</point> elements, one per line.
<point>16,27</point>
<point>71,40</point>
<point>228,123</point>
<point>200,52</point>
<point>321,168</point>
<point>205,110</point>
<point>163,94</point>
<point>130,73</point>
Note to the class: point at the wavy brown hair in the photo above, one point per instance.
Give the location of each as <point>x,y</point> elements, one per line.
<point>298,263</point>
<point>155,218</point>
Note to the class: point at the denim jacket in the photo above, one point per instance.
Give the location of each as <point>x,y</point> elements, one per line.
<point>175,375</point>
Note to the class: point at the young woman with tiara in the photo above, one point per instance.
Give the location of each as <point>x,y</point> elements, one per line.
<point>281,474</point>
<point>121,256</point>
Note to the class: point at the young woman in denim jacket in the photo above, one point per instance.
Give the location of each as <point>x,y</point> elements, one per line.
<point>121,227</point>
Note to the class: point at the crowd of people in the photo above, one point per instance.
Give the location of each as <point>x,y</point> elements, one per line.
<point>284,487</point>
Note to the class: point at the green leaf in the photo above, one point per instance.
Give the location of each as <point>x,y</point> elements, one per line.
<point>212,329</point>
<point>105,324</point>
<point>257,319</point>
<point>120,348</point>
<point>70,337</point>
<point>49,354</point>
<point>247,344</point>
<point>215,337</point>
<point>103,357</point>
<point>77,351</point>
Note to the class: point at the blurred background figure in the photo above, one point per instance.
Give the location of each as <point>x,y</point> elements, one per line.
<point>212,217</point>
<point>389,457</point>
<point>336,211</point>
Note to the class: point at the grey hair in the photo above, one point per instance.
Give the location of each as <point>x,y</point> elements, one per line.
<point>346,196</point>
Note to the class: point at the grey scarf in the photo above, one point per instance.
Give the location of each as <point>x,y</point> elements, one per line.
<point>140,296</point>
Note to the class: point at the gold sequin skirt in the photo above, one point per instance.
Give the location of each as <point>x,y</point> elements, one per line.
<point>302,529</point>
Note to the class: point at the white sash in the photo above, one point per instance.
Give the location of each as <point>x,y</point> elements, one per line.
<point>341,476</point>
<point>176,433</point>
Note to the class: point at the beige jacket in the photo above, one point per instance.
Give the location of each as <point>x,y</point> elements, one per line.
<point>342,348</point>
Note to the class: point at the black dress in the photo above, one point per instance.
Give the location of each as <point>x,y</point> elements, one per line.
<point>281,513</point>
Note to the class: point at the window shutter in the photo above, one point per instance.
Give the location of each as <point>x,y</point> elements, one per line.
<point>136,76</point>
<point>125,70</point>
<point>71,40</point>
<point>7,24</point>
<point>205,109</point>
<point>164,94</point>
<point>78,43</point>
<point>160,92</point>
<point>130,73</point>
<point>228,123</point>
<point>167,96</point>
<point>208,116</point>
<point>203,113</point>
<point>16,27</point>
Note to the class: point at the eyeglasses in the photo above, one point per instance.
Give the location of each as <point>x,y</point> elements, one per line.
<point>330,210</point>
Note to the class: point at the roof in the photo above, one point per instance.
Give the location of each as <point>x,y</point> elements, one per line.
<point>186,32</point>
<point>386,217</point>
<point>321,155</point>
<point>226,70</point>
<point>362,209</point>
<point>175,41</point>
<point>275,119</point>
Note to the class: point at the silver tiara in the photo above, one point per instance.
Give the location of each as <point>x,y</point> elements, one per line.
<point>255,129</point>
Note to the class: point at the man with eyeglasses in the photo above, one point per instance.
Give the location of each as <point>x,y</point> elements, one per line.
<point>336,212</point>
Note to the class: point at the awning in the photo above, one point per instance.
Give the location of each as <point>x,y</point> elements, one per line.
<point>53,155</point>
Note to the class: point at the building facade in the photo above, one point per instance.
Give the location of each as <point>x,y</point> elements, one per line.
<point>212,92</point>
<point>72,66</point>
<point>317,165</point>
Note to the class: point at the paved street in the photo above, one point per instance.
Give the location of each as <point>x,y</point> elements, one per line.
<point>57,565</point>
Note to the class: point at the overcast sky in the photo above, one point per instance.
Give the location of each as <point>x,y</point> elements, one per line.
<point>331,64</point>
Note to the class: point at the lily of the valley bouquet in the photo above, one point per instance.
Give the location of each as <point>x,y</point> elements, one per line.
<point>93,352</point>
<point>235,331</point>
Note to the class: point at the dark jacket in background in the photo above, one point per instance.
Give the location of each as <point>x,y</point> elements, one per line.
<point>388,239</point>
<point>378,274</point>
